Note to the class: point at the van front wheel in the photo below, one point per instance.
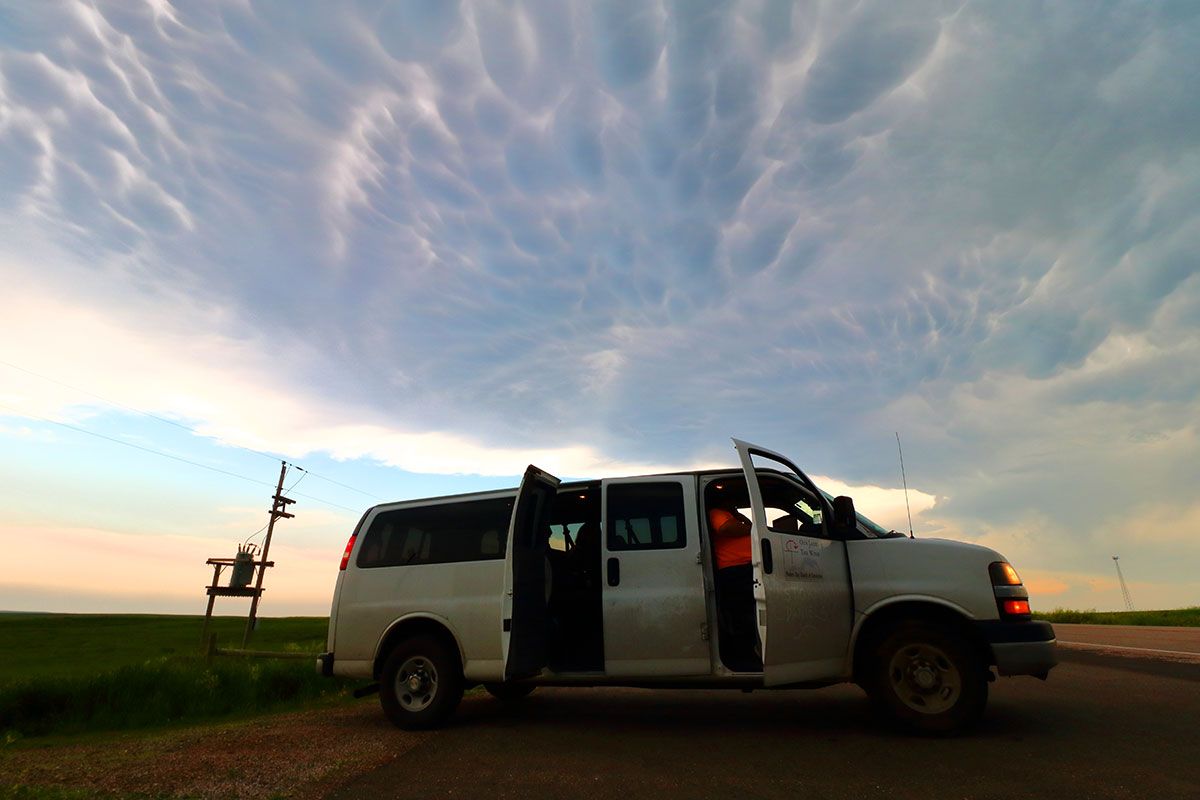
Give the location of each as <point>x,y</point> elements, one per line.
<point>421,684</point>
<point>927,679</point>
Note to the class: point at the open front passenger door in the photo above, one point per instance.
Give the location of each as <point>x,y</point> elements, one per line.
<point>524,618</point>
<point>801,574</point>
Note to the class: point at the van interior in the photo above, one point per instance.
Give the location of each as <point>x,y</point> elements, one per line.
<point>575,641</point>
<point>737,627</point>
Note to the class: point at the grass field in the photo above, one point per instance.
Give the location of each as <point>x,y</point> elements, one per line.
<point>64,645</point>
<point>69,673</point>
<point>1186,617</point>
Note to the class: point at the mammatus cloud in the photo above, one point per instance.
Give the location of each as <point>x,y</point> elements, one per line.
<point>618,235</point>
<point>218,381</point>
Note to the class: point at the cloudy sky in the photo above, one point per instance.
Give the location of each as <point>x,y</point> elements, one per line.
<point>414,246</point>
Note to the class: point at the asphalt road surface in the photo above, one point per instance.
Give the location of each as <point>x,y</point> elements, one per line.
<point>1103,726</point>
<point>1173,644</point>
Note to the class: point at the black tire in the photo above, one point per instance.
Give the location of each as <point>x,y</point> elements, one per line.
<point>509,692</point>
<point>421,683</point>
<point>925,679</point>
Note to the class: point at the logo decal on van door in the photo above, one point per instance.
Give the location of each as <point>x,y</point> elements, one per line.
<point>802,559</point>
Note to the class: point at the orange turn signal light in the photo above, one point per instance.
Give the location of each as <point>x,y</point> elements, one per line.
<point>1003,574</point>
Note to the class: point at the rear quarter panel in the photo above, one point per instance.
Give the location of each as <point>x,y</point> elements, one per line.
<point>465,595</point>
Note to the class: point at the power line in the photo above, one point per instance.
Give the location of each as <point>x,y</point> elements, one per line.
<point>328,503</point>
<point>167,455</point>
<point>256,533</point>
<point>112,402</point>
<point>285,491</point>
<point>134,446</point>
<point>181,426</point>
<point>344,486</point>
<point>297,483</point>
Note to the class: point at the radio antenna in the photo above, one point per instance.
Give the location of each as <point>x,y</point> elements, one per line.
<point>905,479</point>
<point>1124,588</point>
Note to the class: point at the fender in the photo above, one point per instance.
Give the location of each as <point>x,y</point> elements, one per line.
<point>430,619</point>
<point>864,616</point>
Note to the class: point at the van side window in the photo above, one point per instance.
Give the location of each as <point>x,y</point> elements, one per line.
<point>645,516</point>
<point>472,531</point>
<point>791,509</point>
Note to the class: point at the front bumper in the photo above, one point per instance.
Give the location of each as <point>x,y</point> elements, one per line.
<point>325,665</point>
<point>1021,648</point>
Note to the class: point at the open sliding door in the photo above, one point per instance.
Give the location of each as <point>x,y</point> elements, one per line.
<point>524,618</point>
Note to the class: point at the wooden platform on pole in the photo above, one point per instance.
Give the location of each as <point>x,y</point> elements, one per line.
<point>214,590</point>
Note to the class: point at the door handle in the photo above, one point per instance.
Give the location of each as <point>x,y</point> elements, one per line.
<point>614,572</point>
<point>767,562</point>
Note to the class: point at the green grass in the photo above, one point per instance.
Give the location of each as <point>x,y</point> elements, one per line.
<point>64,645</point>
<point>73,673</point>
<point>1187,617</point>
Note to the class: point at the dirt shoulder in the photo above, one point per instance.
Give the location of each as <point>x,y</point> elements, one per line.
<point>296,755</point>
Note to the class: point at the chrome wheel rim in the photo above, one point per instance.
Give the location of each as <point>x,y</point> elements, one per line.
<point>924,678</point>
<point>416,683</point>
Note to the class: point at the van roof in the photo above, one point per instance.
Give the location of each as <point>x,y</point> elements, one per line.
<point>568,485</point>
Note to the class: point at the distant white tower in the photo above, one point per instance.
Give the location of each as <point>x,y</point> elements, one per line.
<point>1124,588</point>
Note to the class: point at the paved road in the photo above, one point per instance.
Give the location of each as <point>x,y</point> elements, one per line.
<point>1102,726</point>
<point>1171,643</point>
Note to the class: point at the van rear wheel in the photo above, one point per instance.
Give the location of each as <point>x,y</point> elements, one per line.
<point>421,683</point>
<point>927,680</point>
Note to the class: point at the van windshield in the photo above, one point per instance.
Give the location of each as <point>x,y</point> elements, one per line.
<point>872,528</point>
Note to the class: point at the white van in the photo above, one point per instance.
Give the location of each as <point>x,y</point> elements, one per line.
<point>613,582</point>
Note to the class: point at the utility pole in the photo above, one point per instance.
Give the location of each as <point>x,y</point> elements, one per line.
<point>278,511</point>
<point>1124,588</point>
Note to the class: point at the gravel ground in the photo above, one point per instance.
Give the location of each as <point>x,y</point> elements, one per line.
<point>296,755</point>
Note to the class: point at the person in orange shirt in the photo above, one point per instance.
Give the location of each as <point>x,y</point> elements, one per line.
<point>736,623</point>
<point>731,537</point>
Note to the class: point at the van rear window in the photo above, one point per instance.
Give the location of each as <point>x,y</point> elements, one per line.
<point>439,534</point>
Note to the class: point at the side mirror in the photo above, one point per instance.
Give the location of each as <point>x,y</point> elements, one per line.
<point>845,521</point>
